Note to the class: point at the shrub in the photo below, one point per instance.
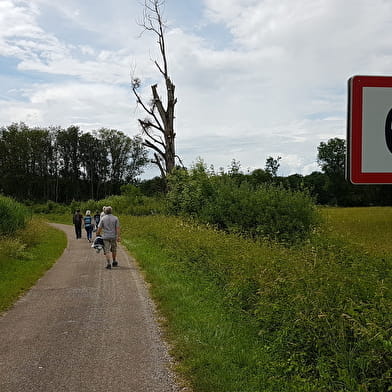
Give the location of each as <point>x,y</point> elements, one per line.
<point>238,206</point>
<point>142,205</point>
<point>13,215</point>
<point>50,207</point>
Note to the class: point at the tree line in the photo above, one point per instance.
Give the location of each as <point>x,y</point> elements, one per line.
<point>328,186</point>
<point>62,165</point>
<point>67,164</point>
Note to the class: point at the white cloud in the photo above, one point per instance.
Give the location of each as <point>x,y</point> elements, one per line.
<point>275,85</point>
<point>91,106</point>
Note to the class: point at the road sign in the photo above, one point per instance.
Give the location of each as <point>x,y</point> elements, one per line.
<point>369,130</point>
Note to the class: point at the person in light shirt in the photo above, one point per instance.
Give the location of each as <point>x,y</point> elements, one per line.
<point>110,226</point>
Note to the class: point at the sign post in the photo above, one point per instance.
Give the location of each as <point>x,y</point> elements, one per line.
<point>369,130</point>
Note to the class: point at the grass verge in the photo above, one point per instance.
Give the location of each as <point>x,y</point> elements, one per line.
<point>25,257</point>
<point>251,317</point>
<point>217,346</point>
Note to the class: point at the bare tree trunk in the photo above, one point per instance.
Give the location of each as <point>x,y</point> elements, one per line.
<point>158,128</point>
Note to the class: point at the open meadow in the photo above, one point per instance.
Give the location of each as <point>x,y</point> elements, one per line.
<point>370,227</point>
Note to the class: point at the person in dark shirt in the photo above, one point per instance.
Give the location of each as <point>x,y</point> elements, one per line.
<point>77,221</point>
<point>97,218</point>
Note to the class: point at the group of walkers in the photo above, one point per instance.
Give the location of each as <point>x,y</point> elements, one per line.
<point>90,223</point>
<point>107,229</point>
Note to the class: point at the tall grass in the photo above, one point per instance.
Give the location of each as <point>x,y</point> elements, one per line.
<point>25,256</point>
<point>317,316</point>
<point>368,228</point>
<point>13,215</point>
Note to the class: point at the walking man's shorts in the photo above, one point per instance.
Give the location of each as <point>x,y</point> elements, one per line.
<point>110,245</point>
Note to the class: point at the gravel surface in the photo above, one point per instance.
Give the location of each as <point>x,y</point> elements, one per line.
<point>84,328</point>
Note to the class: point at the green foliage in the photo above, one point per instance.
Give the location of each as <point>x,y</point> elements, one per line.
<point>12,247</point>
<point>322,310</point>
<point>25,256</point>
<point>83,206</point>
<point>189,191</point>
<point>236,205</point>
<point>64,164</point>
<point>272,165</point>
<point>153,187</point>
<point>50,207</point>
<point>368,228</point>
<point>13,215</point>
<point>132,202</point>
<point>331,156</point>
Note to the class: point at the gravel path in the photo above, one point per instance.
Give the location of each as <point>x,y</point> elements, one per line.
<point>84,328</point>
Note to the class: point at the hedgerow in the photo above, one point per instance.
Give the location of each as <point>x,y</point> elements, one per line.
<point>236,206</point>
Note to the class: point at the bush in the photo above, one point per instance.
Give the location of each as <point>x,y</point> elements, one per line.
<point>131,202</point>
<point>50,207</point>
<point>128,205</point>
<point>13,215</point>
<point>238,206</point>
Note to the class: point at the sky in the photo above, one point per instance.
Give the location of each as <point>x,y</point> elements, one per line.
<point>254,78</point>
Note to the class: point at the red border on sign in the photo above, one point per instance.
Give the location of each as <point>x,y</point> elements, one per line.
<point>357,176</point>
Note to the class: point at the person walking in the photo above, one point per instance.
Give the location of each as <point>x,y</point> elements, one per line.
<point>110,225</point>
<point>103,211</point>
<point>77,221</point>
<point>97,218</point>
<point>88,225</point>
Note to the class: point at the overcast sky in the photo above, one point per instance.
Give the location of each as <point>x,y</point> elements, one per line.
<point>254,78</point>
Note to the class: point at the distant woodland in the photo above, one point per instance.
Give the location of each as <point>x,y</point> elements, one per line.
<point>62,165</point>
<point>66,164</point>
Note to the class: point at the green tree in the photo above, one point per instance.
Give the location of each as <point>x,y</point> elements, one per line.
<point>13,164</point>
<point>259,176</point>
<point>126,157</point>
<point>272,166</point>
<point>331,158</point>
<point>69,162</point>
<point>66,164</point>
<point>316,183</point>
<point>93,162</point>
<point>40,158</point>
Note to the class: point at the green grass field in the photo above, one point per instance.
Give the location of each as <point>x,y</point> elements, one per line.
<point>370,227</point>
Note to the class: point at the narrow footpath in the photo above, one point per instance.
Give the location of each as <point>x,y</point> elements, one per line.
<point>84,328</point>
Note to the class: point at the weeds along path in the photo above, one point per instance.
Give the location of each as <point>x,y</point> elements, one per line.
<point>84,328</point>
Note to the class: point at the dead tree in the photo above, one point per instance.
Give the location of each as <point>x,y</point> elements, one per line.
<point>158,126</point>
